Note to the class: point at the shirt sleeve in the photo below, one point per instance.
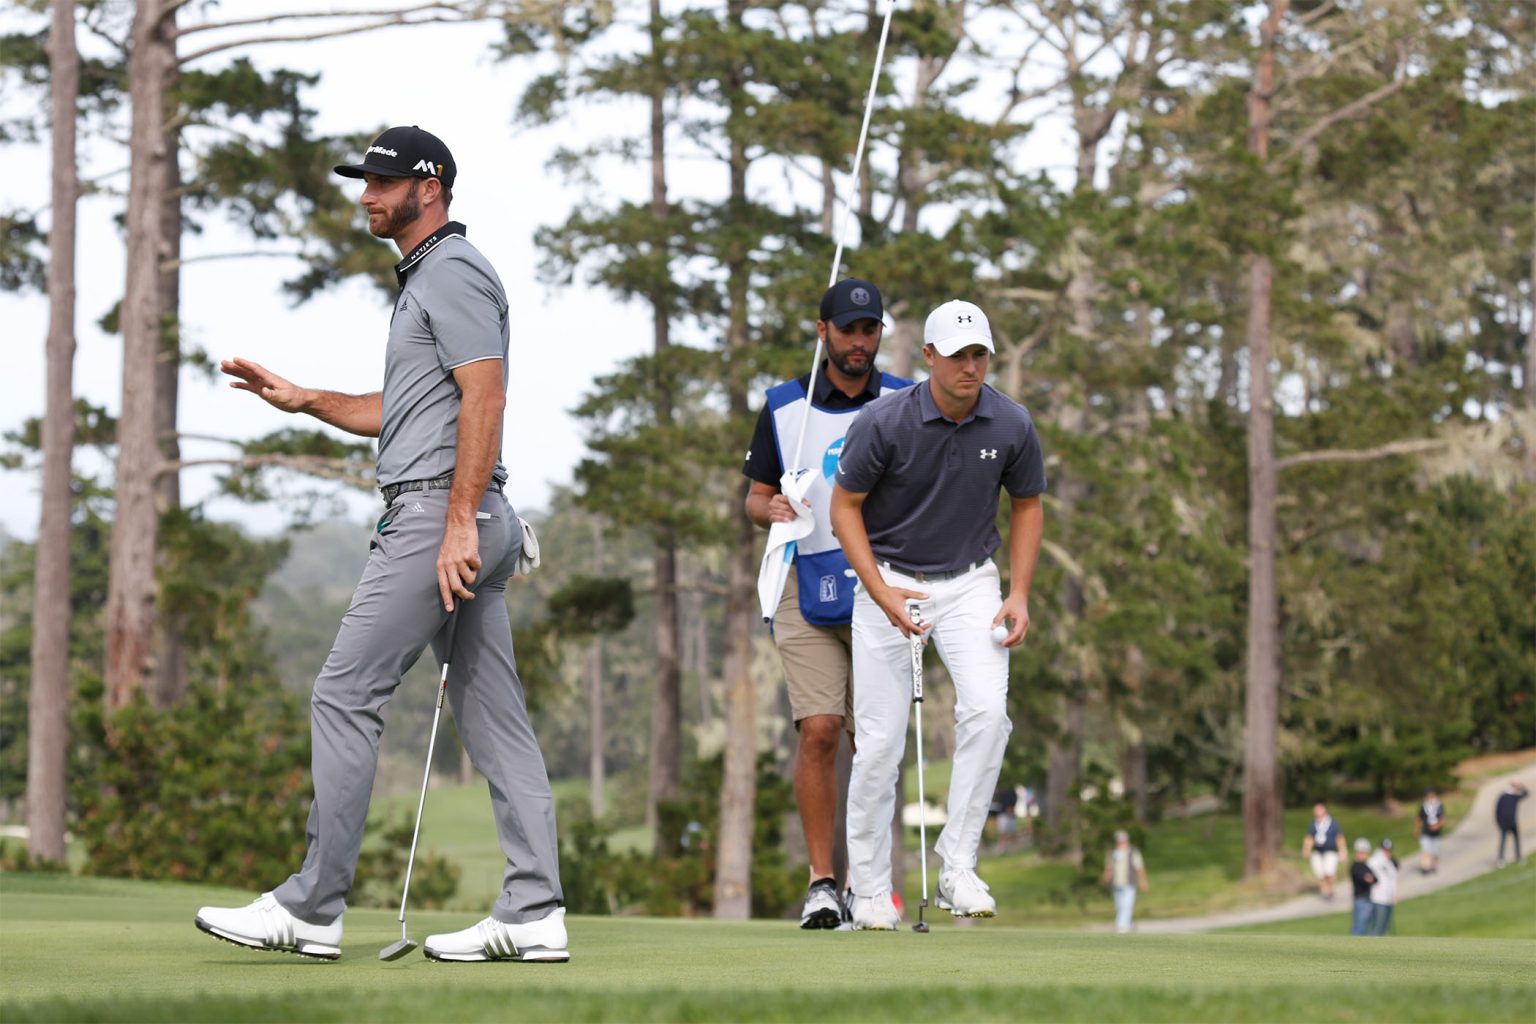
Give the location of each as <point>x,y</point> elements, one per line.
<point>1024,476</point>
<point>863,459</point>
<point>464,310</point>
<point>763,462</point>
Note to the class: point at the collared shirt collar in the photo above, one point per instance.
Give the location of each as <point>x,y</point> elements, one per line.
<point>425,246</point>
<point>825,387</point>
<point>930,409</point>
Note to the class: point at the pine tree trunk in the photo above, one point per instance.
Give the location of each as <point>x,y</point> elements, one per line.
<point>738,788</point>
<point>1261,779</point>
<point>667,711</point>
<point>1528,386</point>
<point>48,701</point>
<point>597,743</point>
<point>131,575</point>
<point>170,651</point>
<point>1063,769</point>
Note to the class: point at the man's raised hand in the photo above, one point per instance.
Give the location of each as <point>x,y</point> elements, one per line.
<point>264,384</point>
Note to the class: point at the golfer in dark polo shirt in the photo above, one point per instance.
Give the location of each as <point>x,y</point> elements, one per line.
<point>915,509</point>
<point>445,545</point>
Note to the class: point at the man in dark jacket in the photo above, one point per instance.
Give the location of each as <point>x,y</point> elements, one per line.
<point>1360,875</point>
<point>1507,814</point>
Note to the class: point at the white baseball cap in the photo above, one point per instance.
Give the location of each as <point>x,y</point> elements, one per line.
<point>956,325</point>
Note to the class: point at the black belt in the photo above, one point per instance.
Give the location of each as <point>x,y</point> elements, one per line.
<point>437,483</point>
<point>923,577</point>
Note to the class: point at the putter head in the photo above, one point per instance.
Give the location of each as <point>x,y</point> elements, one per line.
<point>921,926</point>
<point>396,950</point>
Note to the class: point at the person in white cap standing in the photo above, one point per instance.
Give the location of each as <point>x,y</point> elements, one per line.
<point>915,509</point>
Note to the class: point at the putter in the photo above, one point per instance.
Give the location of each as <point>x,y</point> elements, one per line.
<point>915,614</point>
<point>396,950</point>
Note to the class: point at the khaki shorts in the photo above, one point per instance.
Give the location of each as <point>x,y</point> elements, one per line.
<point>1325,865</point>
<point>818,661</point>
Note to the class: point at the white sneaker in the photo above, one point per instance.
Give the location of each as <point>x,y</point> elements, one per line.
<point>541,941</point>
<point>964,894</point>
<point>822,909</point>
<point>265,924</point>
<point>875,913</point>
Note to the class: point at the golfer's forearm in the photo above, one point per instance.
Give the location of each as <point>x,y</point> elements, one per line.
<point>847,513</point>
<point>479,442</point>
<point>1026,525</point>
<point>356,414</point>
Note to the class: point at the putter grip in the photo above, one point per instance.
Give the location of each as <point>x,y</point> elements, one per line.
<point>916,615</point>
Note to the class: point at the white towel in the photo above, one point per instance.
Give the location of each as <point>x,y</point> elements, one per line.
<point>782,538</point>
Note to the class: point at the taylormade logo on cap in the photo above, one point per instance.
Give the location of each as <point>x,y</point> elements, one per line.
<point>405,152</point>
<point>956,325</point>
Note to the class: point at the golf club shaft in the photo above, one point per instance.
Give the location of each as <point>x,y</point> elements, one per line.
<point>914,612</point>
<point>421,803</point>
<point>842,226</point>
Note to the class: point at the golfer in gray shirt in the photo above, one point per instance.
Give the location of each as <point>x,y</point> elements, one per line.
<point>444,547</point>
<point>915,509</point>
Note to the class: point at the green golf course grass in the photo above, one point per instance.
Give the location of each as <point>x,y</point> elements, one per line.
<point>1195,863</point>
<point>1498,905</point>
<point>86,949</point>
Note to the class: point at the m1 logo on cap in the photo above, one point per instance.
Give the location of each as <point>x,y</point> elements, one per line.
<point>427,167</point>
<point>860,296</point>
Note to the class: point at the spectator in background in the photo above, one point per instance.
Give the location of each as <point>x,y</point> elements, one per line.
<point>1384,893</point>
<point>1507,814</point>
<point>1124,873</point>
<point>1362,879</point>
<point>1004,811</point>
<point>1431,822</point>
<point>1324,843</point>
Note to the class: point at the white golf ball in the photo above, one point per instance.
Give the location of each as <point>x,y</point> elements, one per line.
<point>999,633</point>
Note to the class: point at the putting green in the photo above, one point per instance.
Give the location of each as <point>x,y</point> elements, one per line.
<point>99,949</point>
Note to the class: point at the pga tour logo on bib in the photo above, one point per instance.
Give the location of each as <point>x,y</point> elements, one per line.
<point>829,459</point>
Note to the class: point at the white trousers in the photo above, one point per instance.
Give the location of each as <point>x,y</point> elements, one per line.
<point>960,611</point>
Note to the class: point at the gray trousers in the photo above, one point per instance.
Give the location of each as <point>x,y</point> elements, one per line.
<point>395,612</point>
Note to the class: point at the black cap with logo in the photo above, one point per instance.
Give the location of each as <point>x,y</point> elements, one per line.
<point>405,152</point>
<point>851,300</point>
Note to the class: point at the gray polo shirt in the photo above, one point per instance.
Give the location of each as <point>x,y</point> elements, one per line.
<point>451,311</point>
<point>932,484</point>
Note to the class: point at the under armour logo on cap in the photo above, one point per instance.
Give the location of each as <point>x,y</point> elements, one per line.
<point>956,325</point>
<point>850,301</point>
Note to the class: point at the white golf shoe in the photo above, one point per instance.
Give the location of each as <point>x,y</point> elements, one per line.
<point>964,894</point>
<point>822,907</point>
<point>265,924</point>
<point>541,941</point>
<point>875,913</point>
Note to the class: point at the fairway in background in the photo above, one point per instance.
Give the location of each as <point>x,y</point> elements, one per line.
<point>1501,904</point>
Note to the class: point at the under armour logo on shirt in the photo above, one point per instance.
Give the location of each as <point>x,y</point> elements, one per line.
<point>989,453</point>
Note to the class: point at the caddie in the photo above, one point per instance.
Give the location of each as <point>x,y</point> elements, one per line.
<point>445,545</point>
<point>915,507</point>
<point>811,623</point>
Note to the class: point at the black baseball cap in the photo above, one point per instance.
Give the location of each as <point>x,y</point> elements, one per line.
<point>851,300</point>
<point>405,152</point>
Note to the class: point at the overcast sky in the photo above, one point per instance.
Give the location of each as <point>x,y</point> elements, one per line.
<point>560,339</point>
<point>442,78</point>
